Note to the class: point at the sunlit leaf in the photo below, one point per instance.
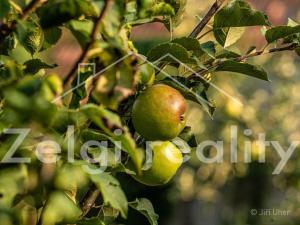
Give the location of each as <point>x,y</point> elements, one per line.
<point>243,68</point>
<point>30,35</point>
<point>190,44</point>
<point>60,208</point>
<point>228,36</point>
<point>179,8</point>
<point>12,182</point>
<point>162,9</point>
<point>237,13</point>
<point>145,207</point>
<point>35,65</point>
<point>168,52</point>
<point>279,32</point>
<point>99,115</point>
<point>111,192</point>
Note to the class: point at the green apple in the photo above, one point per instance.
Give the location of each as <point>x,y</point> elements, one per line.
<point>166,160</point>
<point>159,113</point>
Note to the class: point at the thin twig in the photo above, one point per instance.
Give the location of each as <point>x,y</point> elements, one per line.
<point>84,56</point>
<point>211,12</point>
<point>290,47</point>
<point>202,72</point>
<point>33,5</point>
<point>204,34</point>
<point>89,199</point>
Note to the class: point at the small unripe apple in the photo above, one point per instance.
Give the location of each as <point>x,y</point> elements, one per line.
<point>166,160</point>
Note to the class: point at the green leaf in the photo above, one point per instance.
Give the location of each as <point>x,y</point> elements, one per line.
<point>79,85</point>
<point>145,207</point>
<point>110,161</point>
<point>90,221</point>
<point>9,43</point>
<point>87,8</point>
<point>52,35</point>
<point>279,32</point>
<point>116,83</point>
<point>122,169</point>
<point>17,100</point>
<point>70,176</point>
<point>81,29</point>
<point>54,84</point>
<point>190,44</point>
<point>35,65</point>
<point>129,146</point>
<point>229,35</point>
<point>60,209</point>
<point>141,8</point>
<point>243,68</point>
<point>111,191</point>
<point>8,218</point>
<point>237,13</point>
<point>292,23</point>
<point>147,9</point>
<point>5,8</point>
<point>108,214</point>
<point>188,136</point>
<point>12,182</point>
<point>161,51</point>
<point>30,35</point>
<point>167,71</point>
<point>111,24</point>
<point>56,12</point>
<point>89,134</point>
<point>29,85</point>
<point>28,105</point>
<point>179,8</point>
<point>98,115</point>
<point>199,96</point>
<point>64,117</point>
<point>162,9</point>
<point>210,48</point>
<point>224,53</point>
<point>10,71</point>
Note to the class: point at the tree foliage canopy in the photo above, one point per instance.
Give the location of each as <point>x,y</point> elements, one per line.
<point>32,95</point>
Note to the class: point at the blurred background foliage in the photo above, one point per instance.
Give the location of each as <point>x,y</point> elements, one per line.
<point>223,194</point>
